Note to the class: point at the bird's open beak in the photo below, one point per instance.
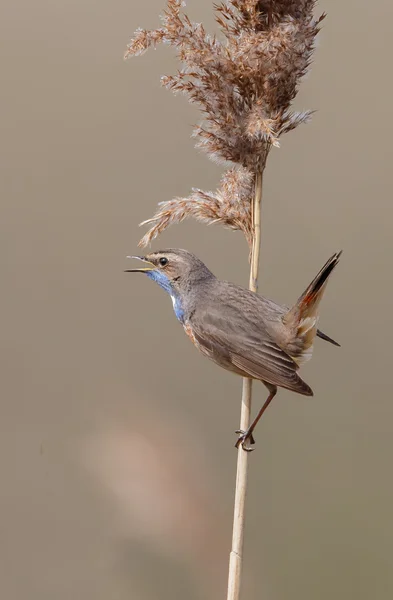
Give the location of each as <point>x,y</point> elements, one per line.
<point>144,269</point>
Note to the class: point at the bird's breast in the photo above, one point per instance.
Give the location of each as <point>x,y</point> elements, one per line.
<point>205,349</point>
<point>178,307</point>
<point>188,329</point>
<point>214,352</point>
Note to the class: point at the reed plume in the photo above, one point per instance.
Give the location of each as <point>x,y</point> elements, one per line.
<point>243,84</point>
<point>243,81</point>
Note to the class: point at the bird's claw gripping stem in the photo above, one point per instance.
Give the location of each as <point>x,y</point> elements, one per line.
<point>244,437</point>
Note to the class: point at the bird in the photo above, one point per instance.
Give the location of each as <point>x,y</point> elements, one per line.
<point>238,329</point>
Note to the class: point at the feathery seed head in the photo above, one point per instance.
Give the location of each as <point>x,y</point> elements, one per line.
<point>244,85</point>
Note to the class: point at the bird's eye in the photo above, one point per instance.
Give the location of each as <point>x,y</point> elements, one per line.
<point>163,261</point>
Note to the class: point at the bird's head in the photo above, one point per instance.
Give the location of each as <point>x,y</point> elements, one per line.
<point>175,270</point>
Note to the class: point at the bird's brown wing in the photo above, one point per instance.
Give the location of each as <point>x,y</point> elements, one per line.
<point>255,354</point>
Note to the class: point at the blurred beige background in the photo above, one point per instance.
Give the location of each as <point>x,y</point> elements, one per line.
<point>116,443</point>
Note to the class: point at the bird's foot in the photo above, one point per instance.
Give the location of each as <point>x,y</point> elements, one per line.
<point>245,437</point>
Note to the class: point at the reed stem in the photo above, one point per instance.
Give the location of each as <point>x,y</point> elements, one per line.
<point>236,555</point>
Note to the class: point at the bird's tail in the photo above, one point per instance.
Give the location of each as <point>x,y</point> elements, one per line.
<point>303,316</point>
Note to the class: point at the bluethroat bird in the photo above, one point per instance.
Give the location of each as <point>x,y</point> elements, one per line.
<point>239,330</point>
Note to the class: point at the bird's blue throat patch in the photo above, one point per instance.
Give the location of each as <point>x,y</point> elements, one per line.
<point>163,281</point>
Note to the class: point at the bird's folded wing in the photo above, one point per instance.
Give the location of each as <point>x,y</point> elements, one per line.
<point>257,355</point>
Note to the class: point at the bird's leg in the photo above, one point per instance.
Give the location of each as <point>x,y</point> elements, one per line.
<point>246,436</point>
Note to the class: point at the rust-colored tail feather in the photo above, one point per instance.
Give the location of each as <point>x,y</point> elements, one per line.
<point>316,288</point>
<point>302,319</point>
